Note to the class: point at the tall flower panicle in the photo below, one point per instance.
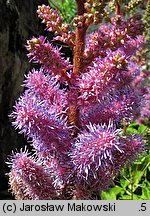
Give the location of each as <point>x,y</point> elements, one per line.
<point>74,115</point>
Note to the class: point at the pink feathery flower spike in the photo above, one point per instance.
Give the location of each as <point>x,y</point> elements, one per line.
<point>73,113</point>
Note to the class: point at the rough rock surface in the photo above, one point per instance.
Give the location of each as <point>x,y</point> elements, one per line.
<point>18,22</point>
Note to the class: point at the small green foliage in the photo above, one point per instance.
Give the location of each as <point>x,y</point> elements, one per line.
<point>65,8</point>
<point>112,194</point>
<point>134,182</point>
<point>136,128</point>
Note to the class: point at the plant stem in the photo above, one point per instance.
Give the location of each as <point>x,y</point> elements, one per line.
<point>125,126</point>
<point>55,6</point>
<point>118,6</point>
<point>77,64</point>
<point>79,50</point>
<point>131,183</point>
<point>80,41</point>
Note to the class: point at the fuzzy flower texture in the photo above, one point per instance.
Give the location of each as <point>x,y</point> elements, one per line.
<point>105,94</point>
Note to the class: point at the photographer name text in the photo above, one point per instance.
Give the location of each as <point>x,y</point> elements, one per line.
<point>70,207</point>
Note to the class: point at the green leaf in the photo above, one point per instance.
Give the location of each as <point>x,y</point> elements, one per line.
<point>112,193</point>
<point>105,196</point>
<point>146,183</point>
<point>133,124</point>
<point>142,129</point>
<point>130,197</point>
<point>137,175</point>
<point>125,197</point>
<point>136,197</point>
<point>131,130</point>
<point>116,190</point>
<point>145,193</point>
<point>124,183</point>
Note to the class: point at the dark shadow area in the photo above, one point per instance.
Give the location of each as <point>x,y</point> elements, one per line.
<point>18,23</point>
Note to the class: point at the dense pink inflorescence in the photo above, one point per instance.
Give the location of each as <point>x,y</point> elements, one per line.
<point>39,122</point>
<point>100,152</point>
<point>52,20</point>
<point>29,179</point>
<point>106,76</point>
<point>124,104</point>
<point>55,24</point>
<point>123,35</point>
<point>107,92</point>
<point>42,52</point>
<point>37,83</point>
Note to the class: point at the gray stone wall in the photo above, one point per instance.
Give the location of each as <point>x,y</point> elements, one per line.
<point>18,22</point>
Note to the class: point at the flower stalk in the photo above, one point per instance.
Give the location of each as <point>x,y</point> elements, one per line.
<point>118,7</point>
<point>80,34</point>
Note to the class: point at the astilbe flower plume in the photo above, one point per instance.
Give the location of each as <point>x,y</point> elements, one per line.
<point>29,179</point>
<point>73,115</point>
<point>107,74</point>
<point>38,83</point>
<point>52,20</point>
<point>124,104</point>
<point>125,35</point>
<point>100,152</point>
<point>55,24</point>
<point>35,120</point>
<point>42,51</point>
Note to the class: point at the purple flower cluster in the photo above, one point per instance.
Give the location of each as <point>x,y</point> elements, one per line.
<point>103,95</point>
<point>55,24</point>
<point>42,52</point>
<point>145,111</point>
<point>104,74</point>
<point>38,83</point>
<point>52,20</point>
<point>124,104</point>
<point>38,120</point>
<point>111,72</point>
<point>99,153</point>
<point>29,179</point>
<point>122,34</point>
